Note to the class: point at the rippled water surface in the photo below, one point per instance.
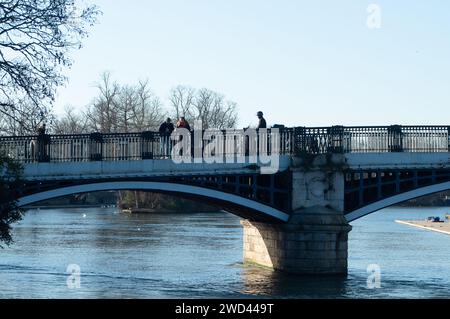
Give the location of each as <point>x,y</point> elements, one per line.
<point>200,255</point>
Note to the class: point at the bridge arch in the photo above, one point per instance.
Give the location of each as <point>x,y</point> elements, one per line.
<point>229,200</point>
<point>389,201</point>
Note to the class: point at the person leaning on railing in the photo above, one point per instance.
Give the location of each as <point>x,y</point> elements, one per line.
<point>182,123</point>
<point>165,129</point>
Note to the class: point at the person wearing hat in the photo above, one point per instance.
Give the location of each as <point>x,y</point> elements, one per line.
<point>262,122</point>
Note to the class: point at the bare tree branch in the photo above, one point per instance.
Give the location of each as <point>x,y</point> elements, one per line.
<point>36,37</point>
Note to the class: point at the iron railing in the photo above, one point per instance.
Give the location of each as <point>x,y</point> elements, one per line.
<point>288,141</point>
<point>372,139</point>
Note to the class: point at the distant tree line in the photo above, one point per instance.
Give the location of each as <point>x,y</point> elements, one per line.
<point>439,199</point>
<point>125,108</point>
<point>130,108</point>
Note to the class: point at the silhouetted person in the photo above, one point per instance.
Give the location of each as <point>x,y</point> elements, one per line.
<point>41,144</point>
<point>165,129</point>
<point>262,122</point>
<point>41,130</point>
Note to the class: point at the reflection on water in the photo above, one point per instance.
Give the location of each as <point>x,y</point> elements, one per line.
<point>200,255</point>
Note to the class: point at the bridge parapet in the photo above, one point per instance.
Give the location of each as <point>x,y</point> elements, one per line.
<point>295,141</point>
<point>372,139</point>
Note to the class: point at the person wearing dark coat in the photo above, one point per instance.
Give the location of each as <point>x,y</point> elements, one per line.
<point>165,129</point>
<point>262,122</point>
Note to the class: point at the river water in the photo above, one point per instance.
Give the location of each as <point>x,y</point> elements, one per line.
<point>200,255</point>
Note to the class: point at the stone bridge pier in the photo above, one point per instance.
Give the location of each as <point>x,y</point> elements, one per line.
<point>314,240</point>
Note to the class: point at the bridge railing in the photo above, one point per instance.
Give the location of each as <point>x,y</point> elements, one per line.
<point>372,139</point>
<point>131,146</point>
<point>289,141</point>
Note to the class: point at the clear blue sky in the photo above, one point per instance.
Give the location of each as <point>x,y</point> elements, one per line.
<point>301,62</point>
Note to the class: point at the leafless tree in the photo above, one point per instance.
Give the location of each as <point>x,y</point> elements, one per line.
<point>213,110</point>
<point>102,113</point>
<point>148,112</point>
<point>25,118</point>
<point>36,37</point>
<point>206,105</point>
<point>182,99</point>
<point>71,122</point>
<point>138,108</point>
<point>124,108</point>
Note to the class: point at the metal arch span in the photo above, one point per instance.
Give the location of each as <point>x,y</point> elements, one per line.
<point>371,208</point>
<point>157,186</point>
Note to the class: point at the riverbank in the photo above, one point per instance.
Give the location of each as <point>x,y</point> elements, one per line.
<point>68,206</point>
<point>164,211</point>
<point>428,225</point>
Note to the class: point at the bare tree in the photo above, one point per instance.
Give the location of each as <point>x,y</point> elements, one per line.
<point>102,113</point>
<point>124,108</point>
<point>213,110</point>
<point>206,105</point>
<point>138,108</point>
<point>25,118</point>
<point>182,99</point>
<point>71,122</point>
<point>35,39</point>
<point>148,111</point>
